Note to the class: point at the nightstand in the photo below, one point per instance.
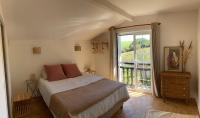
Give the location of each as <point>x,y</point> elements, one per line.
<point>31,86</point>
<point>21,105</point>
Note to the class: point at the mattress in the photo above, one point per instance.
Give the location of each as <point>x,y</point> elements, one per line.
<point>49,88</point>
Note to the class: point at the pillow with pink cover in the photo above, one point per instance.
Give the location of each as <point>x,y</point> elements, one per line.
<point>54,72</point>
<point>71,70</point>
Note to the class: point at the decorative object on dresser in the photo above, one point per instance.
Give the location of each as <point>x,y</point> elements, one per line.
<point>186,53</point>
<point>21,105</point>
<point>175,85</point>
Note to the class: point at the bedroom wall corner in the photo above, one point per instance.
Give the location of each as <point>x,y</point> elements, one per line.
<point>23,62</point>
<point>172,30</point>
<point>198,60</point>
<point>102,60</point>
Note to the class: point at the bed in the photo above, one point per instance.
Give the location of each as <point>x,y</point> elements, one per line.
<point>105,107</point>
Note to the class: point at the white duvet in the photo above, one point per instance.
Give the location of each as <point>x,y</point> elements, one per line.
<point>49,88</point>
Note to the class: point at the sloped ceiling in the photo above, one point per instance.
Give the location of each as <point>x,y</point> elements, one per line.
<point>148,7</point>
<point>78,19</point>
<point>56,19</point>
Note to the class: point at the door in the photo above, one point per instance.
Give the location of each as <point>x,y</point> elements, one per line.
<point>3,93</point>
<point>134,60</point>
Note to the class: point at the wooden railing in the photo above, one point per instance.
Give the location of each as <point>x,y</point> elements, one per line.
<point>134,73</point>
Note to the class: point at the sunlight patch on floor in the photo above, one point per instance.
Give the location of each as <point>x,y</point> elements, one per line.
<point>133,93</point>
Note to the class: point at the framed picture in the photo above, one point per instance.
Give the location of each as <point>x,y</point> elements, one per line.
<point>172,58</point>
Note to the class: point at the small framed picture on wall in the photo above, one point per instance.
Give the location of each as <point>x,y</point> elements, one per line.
<point>173,58</point>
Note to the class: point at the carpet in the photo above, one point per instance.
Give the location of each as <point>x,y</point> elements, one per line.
<point>163,114</point>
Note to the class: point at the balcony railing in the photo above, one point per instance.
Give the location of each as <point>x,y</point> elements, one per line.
<point>136,74</point>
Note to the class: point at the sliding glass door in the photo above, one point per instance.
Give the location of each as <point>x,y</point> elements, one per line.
<point>134,60</point>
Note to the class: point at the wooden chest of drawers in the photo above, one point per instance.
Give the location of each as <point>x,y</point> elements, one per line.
<point>175,85</point>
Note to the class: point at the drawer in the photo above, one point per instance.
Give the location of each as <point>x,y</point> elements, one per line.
<point>177,87</point>
<point>175,77</point>
<point>182,91</point>
<point>176,91</point>
<point>176,95</point>
<point>176,82</point>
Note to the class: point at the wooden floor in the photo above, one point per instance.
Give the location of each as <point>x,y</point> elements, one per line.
<point>136,107</point>
<point>139,103</point>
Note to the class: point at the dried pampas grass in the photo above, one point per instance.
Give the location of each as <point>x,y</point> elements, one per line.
<point>186,52</point>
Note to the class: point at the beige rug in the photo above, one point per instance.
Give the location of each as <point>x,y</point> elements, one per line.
<point>163,114</point>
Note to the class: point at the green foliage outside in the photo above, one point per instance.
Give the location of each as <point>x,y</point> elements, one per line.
<point>129,56</point>
<point>127,46</point>
<point>142,51</point>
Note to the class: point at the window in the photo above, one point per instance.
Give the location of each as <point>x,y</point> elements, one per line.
<point>134,59</point>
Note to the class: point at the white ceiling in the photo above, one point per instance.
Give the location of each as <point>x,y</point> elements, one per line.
<point>148,7</point>
<point>57,19</point>
<point>78,19</point>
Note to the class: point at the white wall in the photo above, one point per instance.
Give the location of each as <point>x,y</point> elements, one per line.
<point>23,63</point>
<point>174,27</point>
<point>102,61</point>
<point>198,58</point>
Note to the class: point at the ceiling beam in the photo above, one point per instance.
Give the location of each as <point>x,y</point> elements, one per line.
<point>116,9</point>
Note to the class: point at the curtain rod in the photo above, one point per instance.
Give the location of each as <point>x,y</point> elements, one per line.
<point>133,26</point>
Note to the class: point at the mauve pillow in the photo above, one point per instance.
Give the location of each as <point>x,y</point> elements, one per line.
<point>54,72</point>
<point>71,70</point>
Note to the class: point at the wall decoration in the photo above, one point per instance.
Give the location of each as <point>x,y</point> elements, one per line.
<point>173,58</point>
<point>36,50</point>
<point>77,47</point>
<point>99,46</point>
